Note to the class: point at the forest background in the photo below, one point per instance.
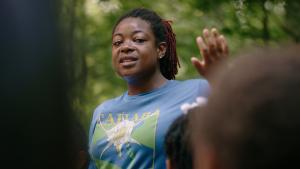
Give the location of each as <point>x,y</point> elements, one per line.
<point>87,27</point>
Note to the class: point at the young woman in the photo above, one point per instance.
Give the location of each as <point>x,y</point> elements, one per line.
<point>128,131</point>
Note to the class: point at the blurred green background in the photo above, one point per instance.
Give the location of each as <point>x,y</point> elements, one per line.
<point>87,26</point>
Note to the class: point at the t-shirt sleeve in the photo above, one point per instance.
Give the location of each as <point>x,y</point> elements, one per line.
<point>92,164</point>
<point>204,88</point>
<point>92,125</point>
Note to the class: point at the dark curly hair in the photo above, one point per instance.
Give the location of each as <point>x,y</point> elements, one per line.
<point>177,144</point>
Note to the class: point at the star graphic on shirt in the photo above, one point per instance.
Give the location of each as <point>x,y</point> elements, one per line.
<point>120,134</point>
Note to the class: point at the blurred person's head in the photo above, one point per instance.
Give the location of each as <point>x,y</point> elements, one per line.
<point>177,144</point>
<point>35,113</point>
<point>251,120</point>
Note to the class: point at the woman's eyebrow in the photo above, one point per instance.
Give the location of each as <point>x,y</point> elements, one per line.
<point>117,34</point>
<point>133,33</point>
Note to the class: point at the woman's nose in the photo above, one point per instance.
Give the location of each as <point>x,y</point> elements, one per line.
<point>127,47</point>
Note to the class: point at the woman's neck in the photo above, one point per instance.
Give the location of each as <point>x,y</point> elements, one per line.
<point>146,84</point>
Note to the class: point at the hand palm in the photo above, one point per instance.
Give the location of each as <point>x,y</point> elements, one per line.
<point>213,48</point>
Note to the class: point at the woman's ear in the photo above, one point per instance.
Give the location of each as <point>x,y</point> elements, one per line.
<point>161,49</point>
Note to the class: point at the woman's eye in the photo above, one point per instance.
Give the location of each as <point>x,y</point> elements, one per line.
<point>140,40</point>
<point>117,43</point>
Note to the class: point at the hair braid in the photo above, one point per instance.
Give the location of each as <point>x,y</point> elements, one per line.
<point>171,54</point>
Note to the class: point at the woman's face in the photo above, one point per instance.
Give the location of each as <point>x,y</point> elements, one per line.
<point>134,51</point>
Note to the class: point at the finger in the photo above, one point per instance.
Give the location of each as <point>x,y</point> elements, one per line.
<point>212,43</point>
<point>219,41</point>
<point>224,46</point>
<point>203,50</point>
<point>199,66</point>
<point>215,32</point>
<point>206,34</point>
<point>209,41</point>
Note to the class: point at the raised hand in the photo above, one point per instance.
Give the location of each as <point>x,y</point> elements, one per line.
<point>213,48</point>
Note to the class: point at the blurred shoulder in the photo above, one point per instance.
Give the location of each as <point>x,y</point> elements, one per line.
<point>196,82</point>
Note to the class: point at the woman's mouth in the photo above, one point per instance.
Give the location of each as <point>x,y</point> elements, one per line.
<point>128,61</point>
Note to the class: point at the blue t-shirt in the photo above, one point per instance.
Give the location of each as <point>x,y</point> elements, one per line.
<point>128,131</point>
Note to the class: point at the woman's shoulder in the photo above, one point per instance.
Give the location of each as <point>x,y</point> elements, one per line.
<point>199,86</point>
<point>195,82</point>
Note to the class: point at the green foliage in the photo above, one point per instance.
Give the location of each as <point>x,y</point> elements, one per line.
<point>88,25</point>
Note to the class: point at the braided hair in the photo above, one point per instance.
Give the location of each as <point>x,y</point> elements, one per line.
<point>163,33</point>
